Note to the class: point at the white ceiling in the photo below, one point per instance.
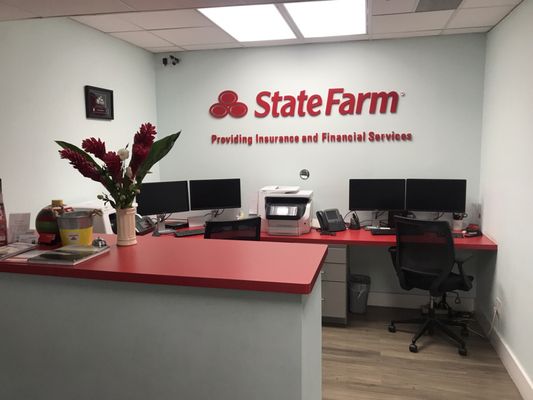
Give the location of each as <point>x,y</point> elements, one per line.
<point>176,25</point>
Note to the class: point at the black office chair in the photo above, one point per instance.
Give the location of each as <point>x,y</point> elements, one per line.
<point>424,257</point>
<point>240,229</point>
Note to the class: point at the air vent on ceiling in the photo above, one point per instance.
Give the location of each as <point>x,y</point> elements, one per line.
<point>437,5</point>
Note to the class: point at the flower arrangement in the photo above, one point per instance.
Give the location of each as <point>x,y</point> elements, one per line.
<point>120,180</point>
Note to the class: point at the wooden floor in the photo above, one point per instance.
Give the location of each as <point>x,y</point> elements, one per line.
<point>364,361</point>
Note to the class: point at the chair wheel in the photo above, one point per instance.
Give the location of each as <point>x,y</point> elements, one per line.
<point>413,348</point>
<point>462,351</point>
<point>392,328</point>
<point>464,332</point>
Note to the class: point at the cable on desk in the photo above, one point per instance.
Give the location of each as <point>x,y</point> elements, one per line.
<point>439,215</point>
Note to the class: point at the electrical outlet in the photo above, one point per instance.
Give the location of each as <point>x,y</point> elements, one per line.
<point>498,306</point>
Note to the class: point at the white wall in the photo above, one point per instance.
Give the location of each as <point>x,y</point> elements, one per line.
<point>442,108</point>
<point>442,78</point>
<point>45,66</point>
<point>506,181</point>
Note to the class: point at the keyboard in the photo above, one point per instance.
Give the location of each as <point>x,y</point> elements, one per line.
<point>378,231</point>
<point>190,232</point>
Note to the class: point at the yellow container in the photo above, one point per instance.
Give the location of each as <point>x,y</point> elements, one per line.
<point>76,227</point>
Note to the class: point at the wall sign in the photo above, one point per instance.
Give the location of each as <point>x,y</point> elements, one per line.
<point>337,101</point>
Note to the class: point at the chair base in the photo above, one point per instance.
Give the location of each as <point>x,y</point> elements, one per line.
<point>428,324</point>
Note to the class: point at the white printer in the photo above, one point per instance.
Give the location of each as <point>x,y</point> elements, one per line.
<point>285,210</point>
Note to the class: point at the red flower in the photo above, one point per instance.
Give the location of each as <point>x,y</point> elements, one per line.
<point>94,146</point>
<point>145,136</point>
<point>139,154</point>
<point>114,165</point>
<point>81,164</point>
<point>142,144</point>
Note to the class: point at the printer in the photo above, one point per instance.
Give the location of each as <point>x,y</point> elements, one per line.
<point>285,210</point>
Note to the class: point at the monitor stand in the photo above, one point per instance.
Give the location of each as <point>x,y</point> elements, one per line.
<point>160,227</point>
<point>392,214</point>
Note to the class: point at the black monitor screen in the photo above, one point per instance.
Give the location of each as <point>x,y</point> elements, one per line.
<point>439,195</point>
<point>163,198</point>
<point>377,194</point>
<point>214,194</point>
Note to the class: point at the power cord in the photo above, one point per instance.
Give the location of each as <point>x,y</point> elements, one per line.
<point>345,215</point>
<point>493,320</point>
<point>439,215</point>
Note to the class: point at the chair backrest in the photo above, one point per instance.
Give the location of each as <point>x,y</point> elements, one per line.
<point>240,229</point>
<point>425,253</point>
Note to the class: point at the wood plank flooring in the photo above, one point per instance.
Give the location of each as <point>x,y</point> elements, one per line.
<point>364,361</point>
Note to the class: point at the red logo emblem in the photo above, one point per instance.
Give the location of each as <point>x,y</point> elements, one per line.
<point>228,104</point>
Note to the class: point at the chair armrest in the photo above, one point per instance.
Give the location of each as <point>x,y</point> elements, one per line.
<point>460,261</point>
<point>393,251</point>
<point>464,258</point>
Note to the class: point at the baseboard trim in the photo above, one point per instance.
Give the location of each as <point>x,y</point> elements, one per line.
<point>414,301</point>
<point>510,362</point>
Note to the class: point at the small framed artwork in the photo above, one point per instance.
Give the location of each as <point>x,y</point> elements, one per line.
<point>98,103</point>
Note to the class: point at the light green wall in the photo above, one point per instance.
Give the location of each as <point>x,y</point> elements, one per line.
<point>44,67</point>
<point>507,181</point>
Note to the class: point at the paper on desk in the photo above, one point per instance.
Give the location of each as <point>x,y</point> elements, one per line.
<point>19,224</point>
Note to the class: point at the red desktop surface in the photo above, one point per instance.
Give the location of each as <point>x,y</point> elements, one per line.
<point>365,238</point>
<point>229,264</point>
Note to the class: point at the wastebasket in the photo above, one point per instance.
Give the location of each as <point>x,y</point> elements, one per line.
<point>76,227</point>
<point>359,286</point>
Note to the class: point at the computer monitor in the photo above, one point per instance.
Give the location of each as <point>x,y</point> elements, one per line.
<point>163,198</point>
<point>377,194</point>
<point>215,194</point>
<point>436,195</point>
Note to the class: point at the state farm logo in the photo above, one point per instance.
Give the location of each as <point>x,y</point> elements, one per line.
<point>228,104</point>
<point>336,101</point>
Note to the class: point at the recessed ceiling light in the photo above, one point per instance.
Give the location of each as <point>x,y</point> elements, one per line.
<point>250,23</point>
<point>329,18</point>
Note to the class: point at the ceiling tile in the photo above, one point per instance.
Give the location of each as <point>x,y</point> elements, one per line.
<point>410,22</point>
<point>470,17</point>
<point>142,39</point>
<point>107,23</point>
<point>147,5</point>
<point>488,3</point>
<point>188,36</point>
<point>382,7</point>
<point>460,31</point>
<point>168,49</point>
<point>167,19</point>
<point>405,34</point>
<point>213,46</point>
<point>69,7</point>
<point>11,13</point>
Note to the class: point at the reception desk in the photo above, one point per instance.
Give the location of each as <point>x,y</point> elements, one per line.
<point>165,319</point>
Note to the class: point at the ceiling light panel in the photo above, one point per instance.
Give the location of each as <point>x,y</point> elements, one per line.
<point>250,23</point>
<point>329,18</point>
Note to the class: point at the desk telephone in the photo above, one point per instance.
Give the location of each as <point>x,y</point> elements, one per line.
<point>143,225</point>
<point>330,220</point>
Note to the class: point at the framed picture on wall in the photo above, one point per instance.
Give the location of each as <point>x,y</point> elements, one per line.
<point>98,103</point>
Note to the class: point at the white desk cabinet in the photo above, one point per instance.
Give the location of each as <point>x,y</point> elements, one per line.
<point>334,285</point>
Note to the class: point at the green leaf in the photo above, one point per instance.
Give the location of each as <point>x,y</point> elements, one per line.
<point>159,149</point>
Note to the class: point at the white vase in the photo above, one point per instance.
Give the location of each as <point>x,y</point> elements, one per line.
<point>126,226</point>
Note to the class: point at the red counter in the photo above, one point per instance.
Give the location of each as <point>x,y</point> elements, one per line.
<point>241,265</point>
<point>365,238</point>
